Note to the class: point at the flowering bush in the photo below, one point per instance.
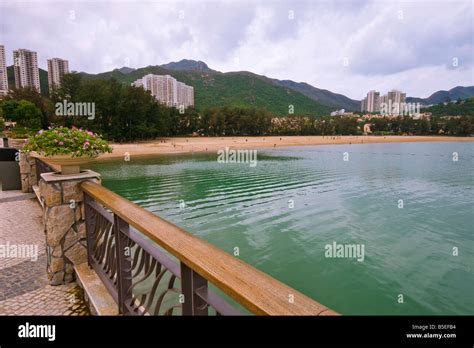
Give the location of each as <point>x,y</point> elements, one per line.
<point>67,141</point>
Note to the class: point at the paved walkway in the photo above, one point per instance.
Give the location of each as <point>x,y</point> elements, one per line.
<point>24,288</point>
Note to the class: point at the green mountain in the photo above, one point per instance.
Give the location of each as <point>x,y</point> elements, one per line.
<point>325,97</point>
<point>216,89</point>
<point>245,89</point>
<point>187,64</point>
<point>453,94</point>
<point>463,107</point>
<point>43,75</point>
<point>125,70</point>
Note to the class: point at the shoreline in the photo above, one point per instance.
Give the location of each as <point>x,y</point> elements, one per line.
<point>184,145</point>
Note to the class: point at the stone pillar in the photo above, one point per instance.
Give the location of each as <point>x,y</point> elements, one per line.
<point>64,223</point>
<point>27,172</point>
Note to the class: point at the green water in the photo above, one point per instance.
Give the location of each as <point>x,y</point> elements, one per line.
<point>408,251</point>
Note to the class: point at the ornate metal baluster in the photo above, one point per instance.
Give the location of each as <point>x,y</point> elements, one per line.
<point>90,228</point>
<point>134,270</point>
<point>124,270</point>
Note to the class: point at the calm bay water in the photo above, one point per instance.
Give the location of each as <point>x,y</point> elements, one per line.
<point>408,250</point>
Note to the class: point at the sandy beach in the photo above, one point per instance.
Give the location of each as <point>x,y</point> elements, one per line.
<point>213,144</point>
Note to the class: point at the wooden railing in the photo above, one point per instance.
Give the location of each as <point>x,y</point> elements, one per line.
<point>151,266</point>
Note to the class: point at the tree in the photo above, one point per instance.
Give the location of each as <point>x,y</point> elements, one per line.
<point>69,90</point>
<point>345,125</point>
<point>2,123</point>
<point>8,108</point>
<point>23,112</point>
<point>423,127</point>
<point>32,95</point>
<point>464,126</point>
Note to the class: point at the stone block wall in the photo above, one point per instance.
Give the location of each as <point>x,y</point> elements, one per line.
<point>64,223</point>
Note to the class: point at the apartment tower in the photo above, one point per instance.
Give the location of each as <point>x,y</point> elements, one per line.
<point>3,73</point>
<point>395,96</point>
<point>25,66</point>
<point>167,90</point>
<point>185,95</point>
<point>371,103</point>
<point>57,67</point>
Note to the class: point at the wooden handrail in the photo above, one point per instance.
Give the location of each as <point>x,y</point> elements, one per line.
<point>257,291</point>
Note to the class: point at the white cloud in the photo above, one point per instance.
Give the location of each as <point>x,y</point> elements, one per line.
<point>388,44</point>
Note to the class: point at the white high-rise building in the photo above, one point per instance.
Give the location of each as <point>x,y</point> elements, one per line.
<point>162,87</point>
<point>167,90</point>
<point>371,103</point>
<point>185,95</point>
<point>393,103</point>
<point>3,73</point>
<point>170,90</point>
<point>25,66</point>
<point>395,96</point>
<point>374,102</point>
<point>181,93</point>
<point>57,67</point>
<point>189,99</point>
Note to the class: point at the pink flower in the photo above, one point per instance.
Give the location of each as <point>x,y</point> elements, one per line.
<point>61,143</point>
<point>40,131</point>
<point>86,144</point>
<point>55,140</point>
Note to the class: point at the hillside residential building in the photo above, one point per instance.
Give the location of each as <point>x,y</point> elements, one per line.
<point>374,102</point>
<point>395,96</point>
<point>167,90</point>
<point>371,103</point>
<point>25,66</point>
<point>57,67</point>
<point>185,95</point>
<point>3,73</point>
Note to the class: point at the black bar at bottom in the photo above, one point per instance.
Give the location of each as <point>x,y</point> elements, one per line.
<point>412,330</point>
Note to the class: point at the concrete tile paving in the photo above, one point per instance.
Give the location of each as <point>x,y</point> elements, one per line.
<point>24,288</point>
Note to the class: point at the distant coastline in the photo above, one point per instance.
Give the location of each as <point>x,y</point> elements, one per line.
<point>178,145</point>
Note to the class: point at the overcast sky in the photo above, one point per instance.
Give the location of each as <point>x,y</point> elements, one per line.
<point>348,47</point>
